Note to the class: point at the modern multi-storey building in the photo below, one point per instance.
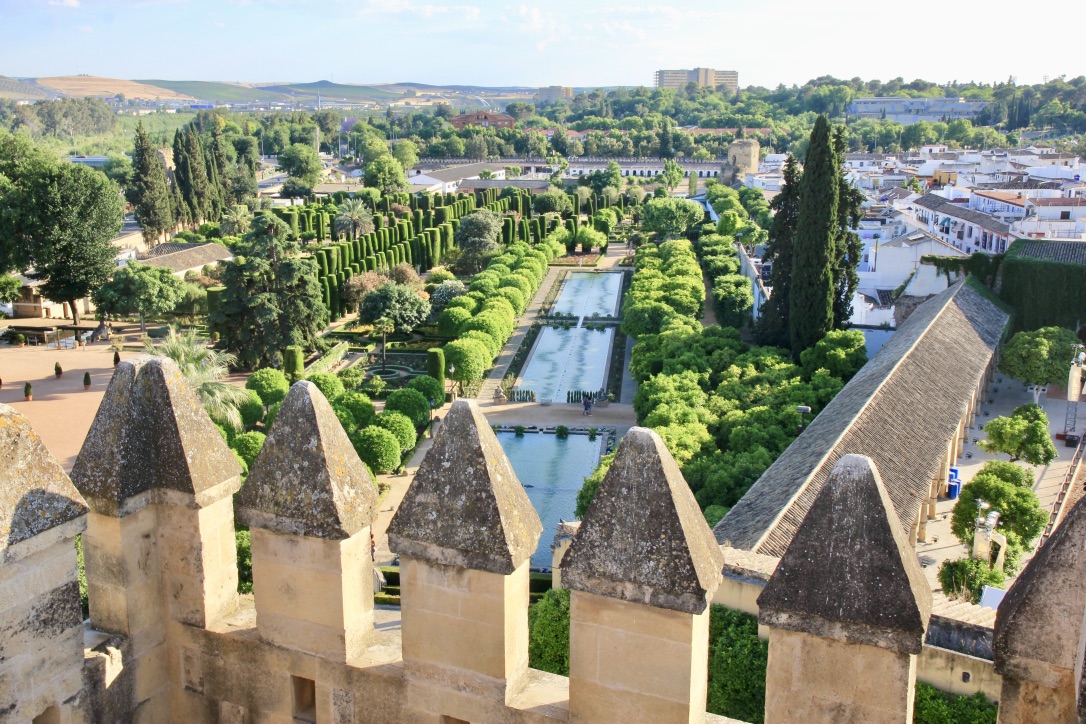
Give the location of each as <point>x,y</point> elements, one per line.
<point>553,93</point>
<point>704,77</point>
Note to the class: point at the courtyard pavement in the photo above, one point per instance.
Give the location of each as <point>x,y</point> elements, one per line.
<point>1005,394</point>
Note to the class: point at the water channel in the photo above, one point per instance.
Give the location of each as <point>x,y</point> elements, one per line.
<point>576,358</point>
<point>552,470</point>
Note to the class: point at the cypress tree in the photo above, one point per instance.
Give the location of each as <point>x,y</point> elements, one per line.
<point>195,189</point>
<point>848,247</point>
<point>812,290</point>
<point>178,206</point>
<point>149,193</point>
<point>773,326</point>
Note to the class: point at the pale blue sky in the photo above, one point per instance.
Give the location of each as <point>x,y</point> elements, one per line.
<point>566,42</point>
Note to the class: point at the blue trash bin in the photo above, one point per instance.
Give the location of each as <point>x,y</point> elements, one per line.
<point>954,489</point>
<point>954,474</point>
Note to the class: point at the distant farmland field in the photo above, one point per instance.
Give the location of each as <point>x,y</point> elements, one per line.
<point>90,85</point>
<point>217,92</point>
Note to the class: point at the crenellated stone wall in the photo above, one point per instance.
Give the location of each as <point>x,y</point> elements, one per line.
<point>157,492</point>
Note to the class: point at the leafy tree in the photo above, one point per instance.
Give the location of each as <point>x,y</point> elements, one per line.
<point>732,299</point>
<point>774,323</point>
<point>60,219</point>
<point>647,317</point>
<point>353,217</point>
<point>270,384</point>
<point>1020,513</point>
<point>359,286</point>
<point>451,320</point>
<point>301,162</point>
<point>469,357</point>
<point>1024,435</point>
<point>841,353</point>
<point>271,299</point>
<point>397,303</point>
<point>147,190</point>
<point>477,238</point>
<point>967,577</point>
<point>671,216</point>
<point>386,175</point>
<point>1039,358</point>
<point>555,202</point>
<point>140,289</point>
<point>812,283</point>
<point>204,369</point>
<point>10,289</point>
<point>548,632</point>
<point>672,175</point>
<point>295,188</point>
<point>406,152</point>
<point>446,291</point>
<point>412,403</point>
<point>378,448</point>
<point>329,385</point>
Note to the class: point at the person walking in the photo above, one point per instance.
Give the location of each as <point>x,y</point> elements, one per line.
<point>587,406</point>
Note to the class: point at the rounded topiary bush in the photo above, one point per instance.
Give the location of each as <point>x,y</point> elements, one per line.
<point>346,419</point>
<point>440,274</point>
<point>329,385</point>
<point>399,425</point>
<point>247,445</point>
<point>514,297</point>
<point>430,388</point>
<point>411,403</point>
<point>469,357</point>
<point>517,282</point>
<point>270,384</point>
<point>449,321</point>
<point>359,406</point>
<point>273,412</point>
<point>465,302</point>
<point>252,410</point>
<point>493,346</point>
<point>378,448</point>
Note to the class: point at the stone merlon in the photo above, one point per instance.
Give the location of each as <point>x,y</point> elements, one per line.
<point>850,573</point>
<point>35,494</point>
<point>644,539</point>
<point>466,507</point>
<point>1039,621</point>
<point>308,479</point>
<point>152,433</point>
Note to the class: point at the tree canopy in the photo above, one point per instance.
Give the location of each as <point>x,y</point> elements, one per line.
<point>140,289</point>
<point>1024,435</point>
<point>1039,357</point>
<point>301,162</point>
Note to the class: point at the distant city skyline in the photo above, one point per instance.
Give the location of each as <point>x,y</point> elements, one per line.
<point>487,43</point>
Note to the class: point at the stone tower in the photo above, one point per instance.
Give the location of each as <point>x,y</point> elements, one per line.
<point>743,157</point>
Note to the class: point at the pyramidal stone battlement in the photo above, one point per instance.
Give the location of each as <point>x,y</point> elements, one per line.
<point>158,498</point>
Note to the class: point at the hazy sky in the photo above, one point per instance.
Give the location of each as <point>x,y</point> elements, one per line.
<point>561,42</point>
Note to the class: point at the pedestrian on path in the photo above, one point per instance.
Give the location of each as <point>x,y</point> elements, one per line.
<point>587,406</point>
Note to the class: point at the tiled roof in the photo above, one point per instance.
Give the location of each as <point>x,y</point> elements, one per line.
<point>1067,252</point>
<point>181,257</point>
<point>1062,201</point>
<point>456,173</point>
<point>940,205</point>
<point>899,410</point>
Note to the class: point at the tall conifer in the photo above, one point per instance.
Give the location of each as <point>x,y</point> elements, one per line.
<point>148,192</point>
<point>812,291</point>
<point>773,325</point>
<point>848,248</point>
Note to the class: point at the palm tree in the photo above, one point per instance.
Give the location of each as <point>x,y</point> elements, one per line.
<point>204,368</point>
<point>383,327</point>
<point>353,216</point>
<point>236,221</point>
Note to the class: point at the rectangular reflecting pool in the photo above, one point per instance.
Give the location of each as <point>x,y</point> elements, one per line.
<point>588,293</point>
<point>567,359</point>
<point>552,470</point>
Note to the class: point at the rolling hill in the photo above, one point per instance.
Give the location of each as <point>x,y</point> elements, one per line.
<point>18,90</point>
<point>217,92</point>
<point>332,91</point>
<point>95,86</point>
